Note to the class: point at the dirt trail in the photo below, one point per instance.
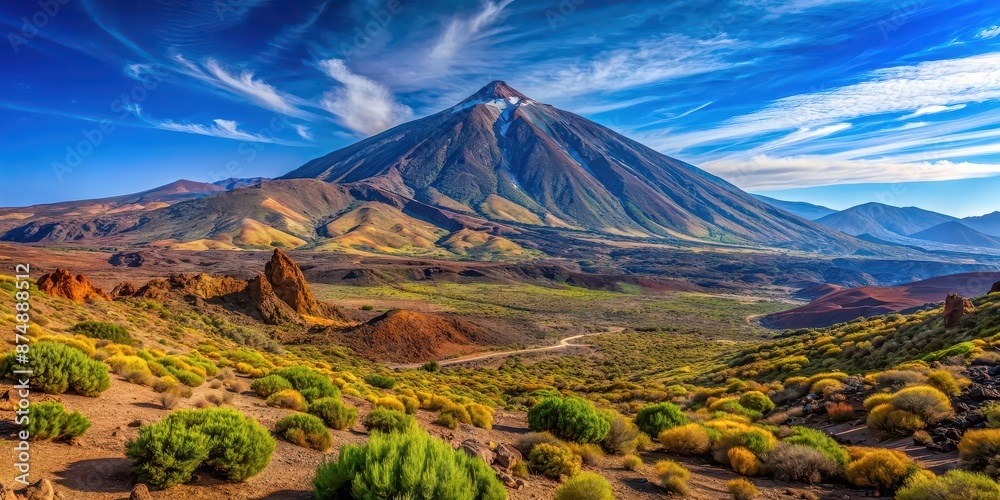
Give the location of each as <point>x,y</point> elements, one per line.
<point>562,344</point>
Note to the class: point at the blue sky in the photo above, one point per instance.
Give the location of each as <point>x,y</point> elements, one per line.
<point>830,101</point>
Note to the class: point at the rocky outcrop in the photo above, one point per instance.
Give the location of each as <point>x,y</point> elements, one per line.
<point>955,306</point>
<point>475,448</point>
<point>122,290</point>
<point>403,336</point>
<point>77,288</point>
<point>290,285</point>
<point>271,308</point>
<point>42,490</point>
<point>278,296</point>
<point>995,288</point>
<point>7,493</point>
<point>507,456</point>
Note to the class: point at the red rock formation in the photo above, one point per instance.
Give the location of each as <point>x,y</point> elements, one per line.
<point>122,290</point>
<point>955,306</point>
<point>290,285</point>
<point>63,284</point>
<point>272,309</point>
<point>403,336</point>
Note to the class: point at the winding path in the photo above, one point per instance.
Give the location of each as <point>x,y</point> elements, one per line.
<point>562,344</point>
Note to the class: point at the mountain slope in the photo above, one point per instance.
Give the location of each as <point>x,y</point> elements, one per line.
<point>506,157</point>
<point>802,209</point>
<point>883,221</point>
<point>987,224</point>
<point>956,233</point>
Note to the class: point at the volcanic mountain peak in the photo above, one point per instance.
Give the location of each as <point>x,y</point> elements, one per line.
<point>498,89</point>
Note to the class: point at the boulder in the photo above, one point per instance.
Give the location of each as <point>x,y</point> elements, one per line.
<point>42,490</point>
<point>995,288</point>
<point>127,259</point>
<point>62,283</point>
<point>123,290</point>
<point>474,448</point>
<point>140,492</point>
<point>955,306</point>
<point>507,456</point>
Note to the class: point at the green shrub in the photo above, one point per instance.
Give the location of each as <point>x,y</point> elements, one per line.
<point>657,418</point>
<point>106,331</point>
<point>757,401</point>
<point>731,405</point>
<point>266,386</point>
<point>992,410</point>
<point>570,418</point>
<point>50,420</point>
<point>980,450</point>
<point>305,430</point>
<point>232,445</point>
<point>631,462</point>
<point>386,421</point>
<point>335,413</point>
<point>310,384</point>
<point>819,441</point>
<point>380,381</point>
<point>585,486</point>
<point>673,476</point>
<point>954,484</point>
<point>57,368</point>
<point>553,461</point>
<point>407,465</point>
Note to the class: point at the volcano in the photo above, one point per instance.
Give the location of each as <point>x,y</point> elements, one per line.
<point>506,157</point>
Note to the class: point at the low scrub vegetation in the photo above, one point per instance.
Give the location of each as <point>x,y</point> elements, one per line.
<point>334,413</point>
<point>673,476</point>
<point>654,419</point>
<point>585,486</point>
<point>388,421</point>
<point>231,445</point>
<point>50,420</point>
<point>58,368</point>
<point>101,330</point>
<point>571,418</point>
<point>305,430</point>
<point>386,467</point>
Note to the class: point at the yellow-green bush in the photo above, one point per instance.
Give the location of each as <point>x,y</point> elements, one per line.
<point>742,489</point>
<point>880,468</point>
<point>334,413</point>
<point>50,420</point>
<point>289,399</point>
<point>954,484</point>
<point>553,461</point>
<point>980,450</point>
<point>481,416</point>
<point>877,400</point>
<point>743,461</point>
<point>686,440</point>
<point>585,486</point>
<point>891,420</point>
<point>673,476</point>
<point>945,382</point>
<point>58,368</point>
<point>631,462</point>
<point>929,403</point>
<point>391,403</point>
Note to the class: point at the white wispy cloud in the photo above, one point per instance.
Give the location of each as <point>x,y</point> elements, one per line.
<point>360,103</point>
<point>930,110</point>
<point>899,89</point>
<point>647,62</point>
<point>303,132</point>
<point>226,129</point>
<point>255,89</point>
<point>988,33</point>
<point>801,135</point>
<point>460,30</point>
<point>769,173</point>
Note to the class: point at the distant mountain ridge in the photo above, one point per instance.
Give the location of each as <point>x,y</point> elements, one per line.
<point>883,221</point>
<point>957,233</point>
<point>802,209</point>
<point>986,224</point>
